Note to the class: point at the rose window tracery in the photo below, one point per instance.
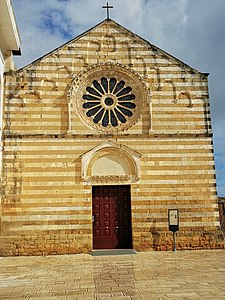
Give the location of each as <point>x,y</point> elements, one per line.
<point>109,98</point>
<point>109,101</point>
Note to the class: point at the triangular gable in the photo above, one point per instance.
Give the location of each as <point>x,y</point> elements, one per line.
<point>126,31</point>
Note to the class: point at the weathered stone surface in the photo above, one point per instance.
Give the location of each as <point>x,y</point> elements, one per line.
<point>52,156</point>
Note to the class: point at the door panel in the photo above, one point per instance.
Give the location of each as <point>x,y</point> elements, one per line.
<point>111,217</point>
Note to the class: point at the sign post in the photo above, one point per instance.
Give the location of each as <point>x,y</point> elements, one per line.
<point>173,220</point>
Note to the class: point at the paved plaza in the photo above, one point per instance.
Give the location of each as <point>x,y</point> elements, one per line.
<point>151,275</point>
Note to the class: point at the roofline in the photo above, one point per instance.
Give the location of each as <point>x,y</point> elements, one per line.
<point>12,38</point>
<point>17,52</point>
<point>133,34</point>
<point>61,46</point>
<point>157,48</point>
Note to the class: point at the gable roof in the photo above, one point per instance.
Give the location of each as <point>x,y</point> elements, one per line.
<point>169,56</point>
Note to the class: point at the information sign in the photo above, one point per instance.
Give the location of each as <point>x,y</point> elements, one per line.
<point>173,219</point>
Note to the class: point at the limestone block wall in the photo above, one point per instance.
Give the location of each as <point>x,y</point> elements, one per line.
<point>47,203</point>
<point>37,99</point>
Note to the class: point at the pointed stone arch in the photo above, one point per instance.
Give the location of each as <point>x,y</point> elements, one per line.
<point>156,78</point>
<point>48,85</point>
<point>123,164</point>
<point>186,95</point>
<point>31,97</point>
<point>172,86</point>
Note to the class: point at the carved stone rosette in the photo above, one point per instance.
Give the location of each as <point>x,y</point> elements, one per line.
<point>108,97</point>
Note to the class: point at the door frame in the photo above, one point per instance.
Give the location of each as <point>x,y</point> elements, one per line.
<point>130,211</point>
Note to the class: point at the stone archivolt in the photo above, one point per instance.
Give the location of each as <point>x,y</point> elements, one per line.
<point>125,164</point>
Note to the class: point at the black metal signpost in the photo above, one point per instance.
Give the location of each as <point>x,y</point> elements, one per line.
<point>173,220</point>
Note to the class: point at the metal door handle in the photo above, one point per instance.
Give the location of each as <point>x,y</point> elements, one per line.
<point>117,227</point>
<point>107,227</point>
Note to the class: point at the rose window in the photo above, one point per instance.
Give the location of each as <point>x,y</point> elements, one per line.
<point>109,102</point>
<point>109,98</point>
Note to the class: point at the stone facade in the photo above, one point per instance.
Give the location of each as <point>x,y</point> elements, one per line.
<point>222,213</point>
<point>57,145</point>
<point>9,46</point>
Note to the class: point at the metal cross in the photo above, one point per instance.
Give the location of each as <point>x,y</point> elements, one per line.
<point>107,7</point>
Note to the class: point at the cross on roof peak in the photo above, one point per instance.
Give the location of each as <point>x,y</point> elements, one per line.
<point>107,6</point>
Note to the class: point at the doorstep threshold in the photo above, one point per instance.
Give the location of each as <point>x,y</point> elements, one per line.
<point>103,252</point>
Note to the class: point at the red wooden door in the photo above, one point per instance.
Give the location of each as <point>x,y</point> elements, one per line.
<point>111,217</point>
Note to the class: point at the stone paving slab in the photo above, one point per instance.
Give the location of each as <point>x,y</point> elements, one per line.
<point>150,275</point>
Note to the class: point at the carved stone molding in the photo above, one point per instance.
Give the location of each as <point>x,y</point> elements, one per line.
<point>111,178</point>
<point>187,95</point>
<point>171,83</point>
<point>127,160</point>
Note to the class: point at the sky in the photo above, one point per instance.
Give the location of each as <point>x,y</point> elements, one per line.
<point>191,30</point>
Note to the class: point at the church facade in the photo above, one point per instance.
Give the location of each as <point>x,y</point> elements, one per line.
<point>101,138</point>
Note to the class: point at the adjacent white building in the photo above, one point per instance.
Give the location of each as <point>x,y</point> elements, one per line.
<point>9,36</point>
<point>9,43</point>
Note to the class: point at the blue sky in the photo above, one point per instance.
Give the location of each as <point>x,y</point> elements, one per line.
<point>191,30</point>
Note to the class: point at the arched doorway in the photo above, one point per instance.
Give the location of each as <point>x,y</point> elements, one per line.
<point>111,169</point>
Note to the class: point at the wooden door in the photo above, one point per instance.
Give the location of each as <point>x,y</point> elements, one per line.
<point>111,217</point>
